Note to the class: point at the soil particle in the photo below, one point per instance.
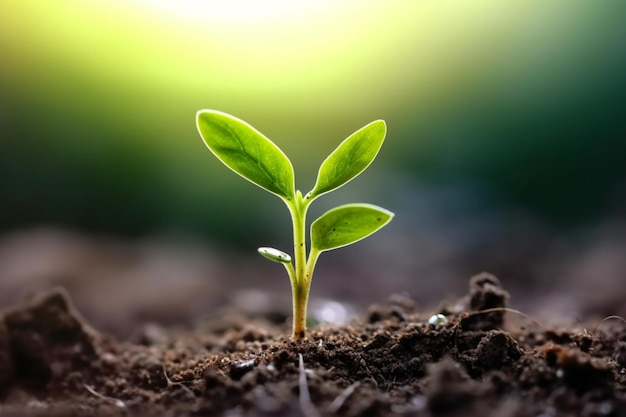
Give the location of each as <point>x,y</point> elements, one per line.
<point>486,293</point>
<point>495,350</point>
<point>239,369</point>
<point>578,369</point>
<point>48,340</point>
<point>448,388</point>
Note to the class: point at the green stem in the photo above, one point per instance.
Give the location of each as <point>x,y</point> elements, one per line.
<point>301,297</point>
<point>300,281</point>
<point>310,265</point>
<point>300,300</point>
<point>290,271</point>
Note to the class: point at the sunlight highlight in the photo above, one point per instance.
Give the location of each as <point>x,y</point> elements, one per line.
<point>238,11</point>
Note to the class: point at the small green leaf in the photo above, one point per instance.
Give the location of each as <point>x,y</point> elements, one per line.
<point>350,158</point>
<point>246,151</point>
<point>275,255</point>
<point>347,224</point>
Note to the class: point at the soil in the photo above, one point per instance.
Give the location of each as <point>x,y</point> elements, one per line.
<point>486,360</point>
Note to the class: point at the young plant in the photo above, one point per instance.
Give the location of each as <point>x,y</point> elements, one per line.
<point>250,154</point>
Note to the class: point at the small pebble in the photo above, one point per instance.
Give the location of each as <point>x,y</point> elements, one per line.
<point>437,320</point>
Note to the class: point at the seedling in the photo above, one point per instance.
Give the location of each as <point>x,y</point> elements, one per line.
<point>250,154</point>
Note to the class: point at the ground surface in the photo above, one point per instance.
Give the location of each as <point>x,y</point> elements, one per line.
<point>389,361</point>
<point>181,328</point>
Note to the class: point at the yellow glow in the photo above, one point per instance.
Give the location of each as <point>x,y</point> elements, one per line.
<point>279,59</point>
<point>239,11</point>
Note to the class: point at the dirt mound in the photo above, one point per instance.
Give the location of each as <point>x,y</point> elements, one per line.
<point>391,361</point>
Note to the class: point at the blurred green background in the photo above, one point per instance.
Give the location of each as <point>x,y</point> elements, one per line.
<point>516,104</point>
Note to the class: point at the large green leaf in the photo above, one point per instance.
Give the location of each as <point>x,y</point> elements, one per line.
<point>350,158</point>
<point>246,151</point>
<point>347,224</point>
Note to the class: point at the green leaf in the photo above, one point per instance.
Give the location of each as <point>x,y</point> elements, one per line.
<point>246,151</point>
<point>347,224</point>
<point>350,158</point>
<point>275,255</point>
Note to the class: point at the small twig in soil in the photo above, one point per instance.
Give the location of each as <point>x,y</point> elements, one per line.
<point>171,384</point>
<point>607,319</point>
<point>500,310</point>
<point>341,398</point>
<point>118,403</point>
<point>307,407</point>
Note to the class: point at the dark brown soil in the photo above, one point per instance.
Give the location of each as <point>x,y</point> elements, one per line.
<point>389,362</point>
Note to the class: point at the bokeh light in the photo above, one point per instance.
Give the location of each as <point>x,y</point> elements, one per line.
<point>519,102</point>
